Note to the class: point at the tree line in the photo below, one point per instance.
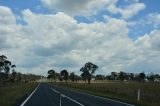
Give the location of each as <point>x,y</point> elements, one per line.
<point>88,70</point>
<point>9,77</point>
<point>141,77</point>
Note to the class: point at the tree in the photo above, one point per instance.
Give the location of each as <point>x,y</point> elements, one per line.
<point>51,74</point>
<point>72,76</point>
<point>99,77</point>
<point>13,66</point>
<point>151,77</point>
<point>87,71</point>
<point>13,73</point>
<point>19,76</point>
<point>84,75</point>
<point>64,75</point>
<point>57,76</point>
<point>122,76</point>
<point>5,67</point>
<point>114,75</point>
<point>142,76</point>
<point>77,78</point>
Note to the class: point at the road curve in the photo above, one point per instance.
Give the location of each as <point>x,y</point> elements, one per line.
<point>47,95</point>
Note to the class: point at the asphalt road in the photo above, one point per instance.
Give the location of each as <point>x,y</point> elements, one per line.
<point>47,95</point>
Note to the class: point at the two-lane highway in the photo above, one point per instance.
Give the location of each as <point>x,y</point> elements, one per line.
<point>47,95</point>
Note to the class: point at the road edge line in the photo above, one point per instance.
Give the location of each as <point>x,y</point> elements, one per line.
<point>23,103</point>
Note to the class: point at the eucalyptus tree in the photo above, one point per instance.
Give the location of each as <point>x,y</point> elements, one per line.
<point>72,76</point>
<point>51,74</point>
<point>64,75</point>
<point>14,73</point>
<point>142,76</point>
<point>88,70</point>
<point>5,67</point>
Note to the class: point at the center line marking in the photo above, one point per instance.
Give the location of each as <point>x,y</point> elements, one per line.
<point>72,100</point>
<point>64,96</point>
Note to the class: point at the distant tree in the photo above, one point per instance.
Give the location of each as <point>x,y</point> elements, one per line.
<point>51,75</point>
<point>5,67</point>
<point>13,73</point>
<point>19,76</point>
<point>99,77</point>
<point>151,77</point>
<point>77,78</point>
<point>114,75</point>
<point>142,76</point>
<point>72,76</point>
<point>132,77</point>
<point>64,75</point>
<point>108,77</point>
<point>87,71</point>
<point>57,76</point>
<point>84,76</point>
<point>122,76</point>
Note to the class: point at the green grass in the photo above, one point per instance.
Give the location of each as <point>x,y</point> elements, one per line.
<point>126,92</point>
<point>11,93</point>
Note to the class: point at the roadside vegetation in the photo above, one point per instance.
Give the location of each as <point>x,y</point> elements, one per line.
<point>10,94</point>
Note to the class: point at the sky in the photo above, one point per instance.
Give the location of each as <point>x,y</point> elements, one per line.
<point>116,35</point>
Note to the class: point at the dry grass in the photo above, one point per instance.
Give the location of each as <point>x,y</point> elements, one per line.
<point>11,93</point>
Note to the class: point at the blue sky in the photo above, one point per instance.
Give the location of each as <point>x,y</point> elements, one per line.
<point>118,30</point>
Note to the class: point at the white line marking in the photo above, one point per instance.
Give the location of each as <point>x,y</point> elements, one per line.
<point>54,90</point>
<point>72,100</point>
<point>99,97</point>
<point>29,96</point>
<point>67,97</point>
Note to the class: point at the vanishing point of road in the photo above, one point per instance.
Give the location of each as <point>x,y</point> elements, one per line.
<point>50,95</point>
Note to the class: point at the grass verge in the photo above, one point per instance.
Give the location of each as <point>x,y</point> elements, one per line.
<point>10,94</point>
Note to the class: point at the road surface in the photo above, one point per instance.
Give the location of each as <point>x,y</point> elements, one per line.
<point>47,95</point>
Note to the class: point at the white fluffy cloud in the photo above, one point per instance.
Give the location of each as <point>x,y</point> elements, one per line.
<point>58,41</point>
<point>127,11</point>
<point>154,18</point>
<point>6,16</point>
<point>77,7</point>
<point>90,7</point>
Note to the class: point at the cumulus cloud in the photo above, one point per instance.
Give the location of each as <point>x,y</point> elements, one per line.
<point>58,41</point>
<point>150,41</point>
<point>128,11</point>
<point>67,42</point>
<point>77,7</point>
<point>6,16</point>
<point>8,28</point>
<point>154,18</point>
<point>90,7</point>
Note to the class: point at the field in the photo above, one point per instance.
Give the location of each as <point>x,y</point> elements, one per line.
<point>123,91</point>
<point>9,94</point>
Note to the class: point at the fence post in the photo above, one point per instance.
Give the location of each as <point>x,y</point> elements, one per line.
<point>60,102</point>
<point>138,94</point>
